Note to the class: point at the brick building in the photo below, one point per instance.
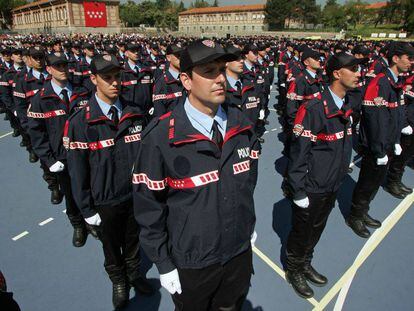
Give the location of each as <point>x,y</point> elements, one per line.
<point>66,16</point>
<point>234,19</point>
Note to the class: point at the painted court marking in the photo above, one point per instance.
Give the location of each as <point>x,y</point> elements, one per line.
<point>44,222</point>
<point>7,134</point>
<point>19,236</point>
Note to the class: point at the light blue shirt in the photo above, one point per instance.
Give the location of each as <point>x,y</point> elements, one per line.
<point>393,75</point>
<point>174,73</point>
<point>16,67</point>
<point>260,60</point>
<point>339,102</point>
<point>296,58</point>
<point>58,90</point>
<point>248,64</point>
<point>204,123</point>
<point>36,74</point>
<point>88,60</point>
<point>105,107</point>
<point>153,57</point>
<point>134,66</point>
<point>288,53</point>
<point>232,82</point>
<point>313,74</point>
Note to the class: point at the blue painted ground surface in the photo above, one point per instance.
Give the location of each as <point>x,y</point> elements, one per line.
<point>46,273</point>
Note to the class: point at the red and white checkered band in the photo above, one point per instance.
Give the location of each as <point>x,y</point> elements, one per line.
<point>195,181</point>
<point>254,154</point>
<point>101,144</point>
<point>326,137</point>
<point>142,178</point>
<point>209,43</point>
<point>132,138</point>
<point>45,115</point>
<point>241,167</point>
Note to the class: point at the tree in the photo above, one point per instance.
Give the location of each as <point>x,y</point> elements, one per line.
<point>216,3</point>
<point>6,6</point>
<point>276,12</point>
<point>333,15</point>
<point>199,4</point>
<point>354,11</point>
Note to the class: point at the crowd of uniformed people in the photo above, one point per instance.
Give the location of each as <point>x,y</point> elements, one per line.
<point>154,145</point>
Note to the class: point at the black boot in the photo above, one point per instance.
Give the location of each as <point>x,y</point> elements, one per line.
<point>371,222</point>
<point>261,140</point>
<point>136,279</point>
<point>15,133</point>
<point>314,276</point>
<point>404,188</point>
<point>298,281</point>
<point>92,230</point>
<point>120,287</point>
<point>33,158</point>
<point>393,188</point>
<point>80,233</point>
<point>56,196</point>
<point>358,226</point>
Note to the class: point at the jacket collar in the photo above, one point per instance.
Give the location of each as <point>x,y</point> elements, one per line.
<point>331,109</point>
<point>311,80</point>
<point>169,79</point>
<point>395,85</point>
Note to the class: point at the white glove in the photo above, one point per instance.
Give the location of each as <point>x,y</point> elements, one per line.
<point>253,238</point>
<point>397,149</point>
<point>261,114</point>
<point>408,130</point>
<point>151,111</point>
<point>57,167</point>
<point>171,282</point>
<point>94,220</point>
<point>383,160</point>
<point>303,203</point>
<point>15,113</point>
<point>283,85</point>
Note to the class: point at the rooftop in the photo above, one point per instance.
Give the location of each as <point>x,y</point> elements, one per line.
<point>225,9</point>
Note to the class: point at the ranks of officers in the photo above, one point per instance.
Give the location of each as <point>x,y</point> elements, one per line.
<point>154,143</point>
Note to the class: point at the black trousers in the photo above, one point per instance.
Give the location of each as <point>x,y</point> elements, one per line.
<point>398,163</point>
<point>281,99</point>
<point>72,210</point>
<point>216,287</point>
<point>371,177</point>
<point>307,227</point>
<point>50,178</point>
<point>119,233</point>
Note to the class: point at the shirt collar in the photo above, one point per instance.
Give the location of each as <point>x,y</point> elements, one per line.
<point>248,64</point>
<point>311,73</point>
<point>174,73</point>
<point>153,57</point>
<point>203,122</point>
<point>288,53</point>
<point>338,101</point>
<point>296,58</point>
<point>133,66</point>
<point>16,67</point>
<point>393,75</point>
<point>88,59</point>
<point>232,81</point>
<point>36,74</point>
<point>58,89</point>
<point>260,60</point>
<point>105,107</point>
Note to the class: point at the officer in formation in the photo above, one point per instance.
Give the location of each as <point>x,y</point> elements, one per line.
<point>154,142</point>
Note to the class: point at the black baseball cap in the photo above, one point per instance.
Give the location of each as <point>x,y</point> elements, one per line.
<point>203,52</point>
<point>56,59</point>
<point>133,46</point>
<point>234,50</point>
<point>174,49</point>
<point>104,63</point>
<point>341,60</point>
<point>15,50</point>
<point>7,51</point>
<point>400,48</point>
<point>250,47</point>
<point>360,49</point>
<point>309,53</point>
<point>88,45</point>
<point>36,52</point>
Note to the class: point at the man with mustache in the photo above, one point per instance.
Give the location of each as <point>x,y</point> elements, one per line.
<point>319,158</point>
<point>194,179</point>
<point>103,140</point>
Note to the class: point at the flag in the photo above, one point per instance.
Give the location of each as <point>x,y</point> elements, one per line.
<point>95,14</point>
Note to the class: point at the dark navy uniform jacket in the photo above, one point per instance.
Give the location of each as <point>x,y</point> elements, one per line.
<point>257,78</point>
<point>167,92</point>
<point>101,155</point>
<point>408,109</point>
<point>81,75</point>
<point>137,87</point>
<point>321,151</point>
<point>381,119</point>
<point>281,68</point>
<point>7,85</point>
<point>47,115</point>
<point>193,201</point>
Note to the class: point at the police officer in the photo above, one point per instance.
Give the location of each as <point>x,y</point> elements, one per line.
<point>380,131</point>
<point>318,161</point>
<point>81,74</point>
<point>193,189</point>
<point>47,114</point>
<point>168,88</point>
<point>5,64</point>
<point>103,140</point>
<point>284,57</point>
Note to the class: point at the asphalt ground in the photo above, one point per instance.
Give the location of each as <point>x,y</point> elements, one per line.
<point>46,272</point>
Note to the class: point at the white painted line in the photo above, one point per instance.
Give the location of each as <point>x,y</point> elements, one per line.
<point>44,222</point>
<point>365,252</point>
<point>265,132</point>
<point>272,109</point>
<point>273,130</point>
<point>19,236</point>
<point>7,134</point>
<point>64,211</point>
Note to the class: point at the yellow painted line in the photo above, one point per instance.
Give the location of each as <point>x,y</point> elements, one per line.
<point>7,134</point>
<point>278,270</point>
<point>367,250</point>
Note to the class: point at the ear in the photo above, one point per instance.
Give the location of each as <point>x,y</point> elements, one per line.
<point>93,79</point>
<point>336,74</point>
<point>49,70</point>
<point>186,81</point>
<point>395,59</point>
<point>168,58</point>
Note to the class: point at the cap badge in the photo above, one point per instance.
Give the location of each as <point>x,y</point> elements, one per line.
<point>107,57</point>
<point>209,43</point>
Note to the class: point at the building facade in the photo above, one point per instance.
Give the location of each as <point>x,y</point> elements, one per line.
<point>234,19</point>
<point>65,16</point>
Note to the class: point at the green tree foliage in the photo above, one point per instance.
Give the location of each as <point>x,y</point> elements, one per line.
<point>5,11</point>
<point>276,11</point>
<point>199,4</point>
<point>333,15</point>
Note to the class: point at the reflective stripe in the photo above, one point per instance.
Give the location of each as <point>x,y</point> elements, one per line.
<point>132,138</point>
<point>241,167</point>
<point>78,145</point>
<point>294,96</point>
<point>315,95</point>
<point>18,94</point>
<point>45,115</point>
<point>4,83</point>
<point>132,82</point>
<point>166,96</point>
<point>31,93</point>
<point>409,93</point>
<point>254,154</point>
<point>379,103</point>
<point>195,181</point>
<point>325,137</point>
<point>142,178</point>
<point>252,104</point>
<point>77,73</point>
<point>101,144</point>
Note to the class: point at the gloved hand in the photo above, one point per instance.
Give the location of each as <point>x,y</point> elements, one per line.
<point>57,167</point>
<point>171,282</point>
<point>151,111</point>
<point>261,114</point>
<point>282,84</point>
<point>408,130</point>
<point>253,238</point>
<point>94,220</point>
<point>15,113</point>
<point>383,160</point>
<point>303,203</point>
<point>397,149</point>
